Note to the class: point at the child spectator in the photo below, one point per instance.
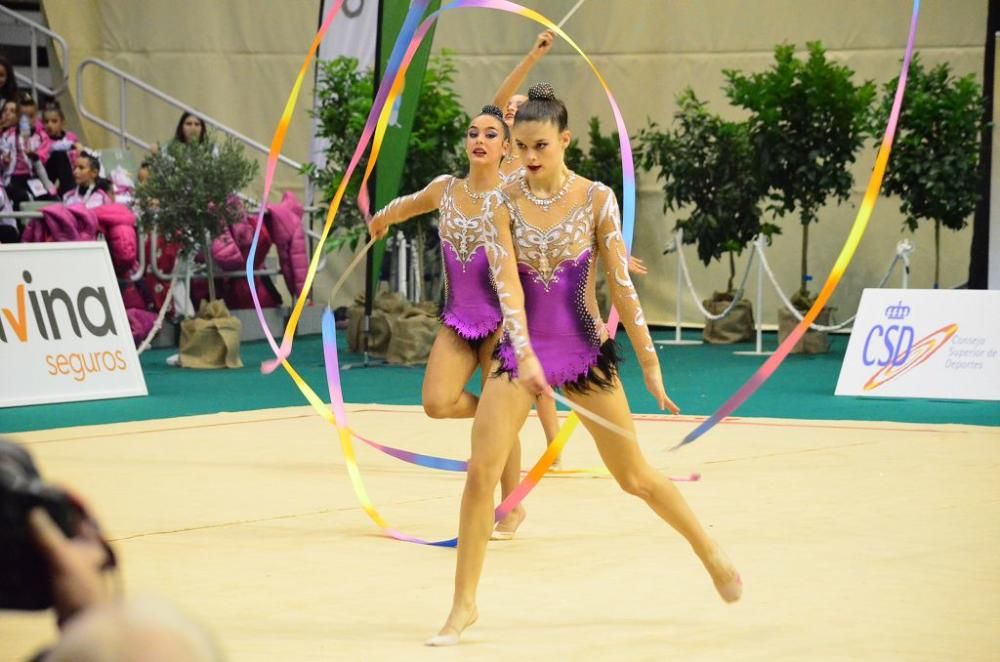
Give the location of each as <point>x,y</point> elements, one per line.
<point>8,119</point>
<point>9,232</point>
<point>27,145</point>
<point>62,155</point>
<point>29,107</point>
<point>91,190</point>
<point>8,83</point>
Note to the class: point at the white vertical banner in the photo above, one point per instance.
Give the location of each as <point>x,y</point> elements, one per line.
<point>352,33</point>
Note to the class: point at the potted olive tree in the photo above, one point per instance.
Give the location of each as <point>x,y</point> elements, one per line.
<point>934,167</point>
<point>807,120</point>
<point>708,169</point>
<point>189,198</point>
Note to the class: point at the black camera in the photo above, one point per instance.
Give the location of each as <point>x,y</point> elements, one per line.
<point>24,572</point>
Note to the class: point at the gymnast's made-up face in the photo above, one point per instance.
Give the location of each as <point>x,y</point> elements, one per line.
<point>484,141</point>
<point>510,111</point>
<point>541,146</point>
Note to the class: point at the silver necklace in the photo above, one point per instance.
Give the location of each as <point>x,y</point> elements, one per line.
<point>474,196</point>
<point>546,203</point>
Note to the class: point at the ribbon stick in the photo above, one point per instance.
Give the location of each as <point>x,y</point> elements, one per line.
<point>840,266</point>
<point>565,19</point>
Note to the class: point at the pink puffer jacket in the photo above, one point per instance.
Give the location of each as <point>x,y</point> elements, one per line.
<point>230,251</point>
<point>117,223</point>
<point>59,223</point>
<point>284,220</point>
<point>231,248</point>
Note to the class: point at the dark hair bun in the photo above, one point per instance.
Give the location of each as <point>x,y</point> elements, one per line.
<point>492,111</point>
<point>542,92</point>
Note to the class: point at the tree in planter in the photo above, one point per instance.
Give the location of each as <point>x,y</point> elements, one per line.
<point>191,191</point>
<point>708,166</point>
<point>435,146</point>
<point>807,121</point>
<point>934,167</point>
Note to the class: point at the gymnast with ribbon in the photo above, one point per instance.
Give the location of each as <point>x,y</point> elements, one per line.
<point>471,314</point>
<point>545,232</point>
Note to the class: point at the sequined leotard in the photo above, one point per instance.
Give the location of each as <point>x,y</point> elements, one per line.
<point>470,306</point>
<point>554,313</point>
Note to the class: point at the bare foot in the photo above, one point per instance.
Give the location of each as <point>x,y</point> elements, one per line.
<point>507,527</point>
<point>459,619</point>
<point>724,575</point>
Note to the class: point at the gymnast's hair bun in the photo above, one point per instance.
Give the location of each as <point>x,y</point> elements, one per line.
<point>492,111</point>
<point>542,92</point>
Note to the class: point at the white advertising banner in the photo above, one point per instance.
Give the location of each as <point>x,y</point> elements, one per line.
<point>64,334</point>
<point>924,344</point>
<point>352,33</point>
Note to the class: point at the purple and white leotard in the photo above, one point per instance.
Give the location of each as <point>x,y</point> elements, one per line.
<point>470,307</point>
<point>558,318</point>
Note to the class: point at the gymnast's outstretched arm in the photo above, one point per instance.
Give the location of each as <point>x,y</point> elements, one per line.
<point>426,200</point>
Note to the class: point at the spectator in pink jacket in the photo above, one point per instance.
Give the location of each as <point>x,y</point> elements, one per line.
<point>90,190</point>
<point>25,149</point>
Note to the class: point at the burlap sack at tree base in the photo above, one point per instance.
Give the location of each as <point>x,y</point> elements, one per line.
<point>737,326</point>
<point>212,339</point>
<point>812,342</point>
<point>413,335</point>
<point>401,332</point>
<point>388,306</point>
<point>378,342</point>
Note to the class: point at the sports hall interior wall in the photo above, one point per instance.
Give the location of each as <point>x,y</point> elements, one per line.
<point>648,51</point>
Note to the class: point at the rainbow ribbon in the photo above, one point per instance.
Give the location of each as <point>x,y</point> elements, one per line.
<point>385,96</point>
<point>840,266</point>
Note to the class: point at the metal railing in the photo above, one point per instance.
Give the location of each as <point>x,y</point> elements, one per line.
<point>37,28</point>
<point>121,130</point>
<point>125,136</point>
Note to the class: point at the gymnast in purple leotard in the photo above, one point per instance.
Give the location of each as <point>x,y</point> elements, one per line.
<point>471,314</point>
<point>546,232</point>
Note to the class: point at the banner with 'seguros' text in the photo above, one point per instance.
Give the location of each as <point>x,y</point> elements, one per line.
<point>64,334</point>
<point>924,344</point>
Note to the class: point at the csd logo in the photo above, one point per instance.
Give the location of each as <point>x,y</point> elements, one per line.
<point>889,345</point>
<point>916,352</point>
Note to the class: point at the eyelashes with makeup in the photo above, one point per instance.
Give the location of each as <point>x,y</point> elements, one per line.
<point>491,135</point>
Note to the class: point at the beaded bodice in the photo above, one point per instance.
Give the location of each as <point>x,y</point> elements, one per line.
<point>548,244</point>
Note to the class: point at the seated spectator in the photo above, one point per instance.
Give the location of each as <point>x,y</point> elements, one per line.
<point>27,145</point>
<point>29,107</point>
<point>62,156</point>
<point>91,189</point>
<point>190,129</point>
<point>8,82</point>
<point>8,149</point>
<point>9,232</point>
